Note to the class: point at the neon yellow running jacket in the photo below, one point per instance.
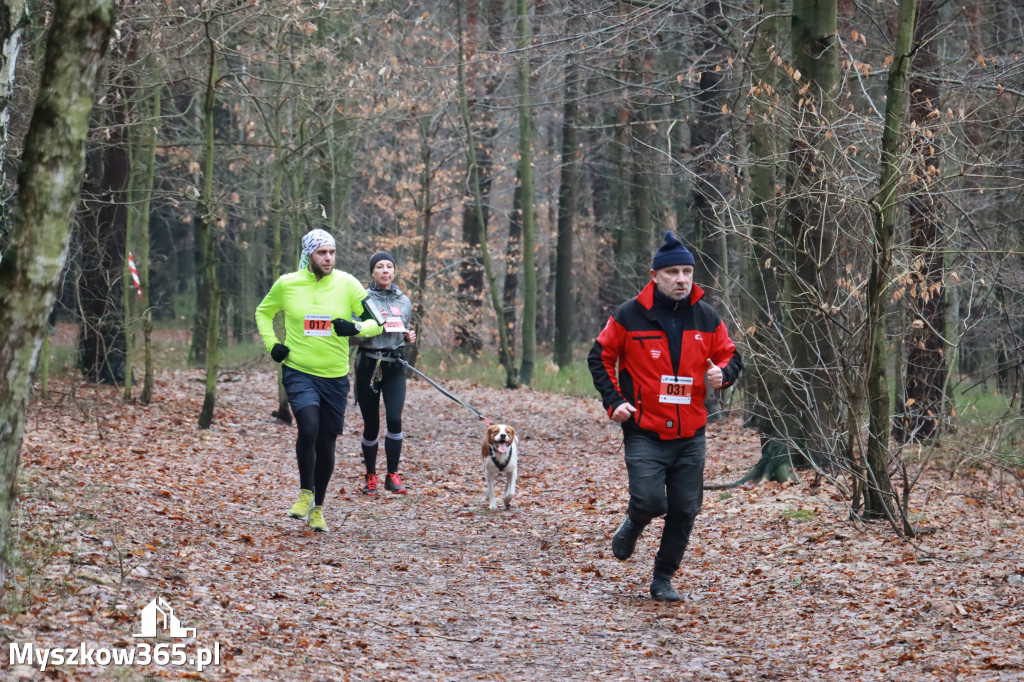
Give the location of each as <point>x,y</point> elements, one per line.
<point>309,306</point>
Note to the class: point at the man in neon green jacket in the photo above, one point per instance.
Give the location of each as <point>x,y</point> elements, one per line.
<point>319,305</point>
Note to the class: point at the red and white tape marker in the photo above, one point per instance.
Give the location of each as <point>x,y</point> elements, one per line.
<point>135,274</point>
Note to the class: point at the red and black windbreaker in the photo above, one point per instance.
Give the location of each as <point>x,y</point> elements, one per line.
<point>634,361</point>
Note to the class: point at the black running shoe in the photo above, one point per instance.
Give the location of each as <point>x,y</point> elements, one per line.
<point>394,484</point>
<point>372,484</point>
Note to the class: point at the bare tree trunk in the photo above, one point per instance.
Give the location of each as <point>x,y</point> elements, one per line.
<point>100,235</point>
<point>921,408</point>
<point>710,188</point>
<point>641,203</point>
<point>144,242</point>
<point>504,352</point>
<point>529,354</point>
<point>131,143</point>
<point>51,173</point>
<point>879,499</point>
<point>603,206</point>
<point>471,274</point>
<point>476,210</point>
<point>284,410</point>
<point>567,189</point>
<point>513,263</point>
<point>128,293</point>
<point>13,20</point>
<point>201,318</point>
<point>643,179</point>
<point>772,413</point>
<point>206,243</point>
<point>812,230</point>
<point>628,203</point>
<point>426,206</point>
<point>628,241</point>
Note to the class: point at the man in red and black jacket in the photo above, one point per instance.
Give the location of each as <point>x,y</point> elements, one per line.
<point>653,363</point>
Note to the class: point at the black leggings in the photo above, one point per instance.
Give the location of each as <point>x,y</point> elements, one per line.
<point>314,450</point>
<point>392,387</point>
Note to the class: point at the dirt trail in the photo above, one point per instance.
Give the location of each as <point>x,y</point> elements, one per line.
<point>435,586</point>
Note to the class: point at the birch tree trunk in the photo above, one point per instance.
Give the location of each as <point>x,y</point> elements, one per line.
<point>13,19</point>
<point>51,173</point>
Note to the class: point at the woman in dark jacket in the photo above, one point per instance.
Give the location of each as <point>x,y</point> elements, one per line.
<point>379,371</point>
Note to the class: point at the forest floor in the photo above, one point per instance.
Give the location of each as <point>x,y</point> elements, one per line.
<point>122,503</point>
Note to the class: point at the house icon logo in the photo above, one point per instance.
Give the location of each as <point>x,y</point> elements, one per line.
<point>158,615</point>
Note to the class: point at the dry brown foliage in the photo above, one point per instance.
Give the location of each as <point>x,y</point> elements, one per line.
<point>137,502</point>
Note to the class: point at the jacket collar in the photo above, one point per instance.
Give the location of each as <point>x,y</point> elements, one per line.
<point>646,297</point>
<point>391,290</point>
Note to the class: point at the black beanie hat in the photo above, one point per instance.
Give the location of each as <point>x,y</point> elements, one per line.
<point>672,252</point>
<point>378,257</point>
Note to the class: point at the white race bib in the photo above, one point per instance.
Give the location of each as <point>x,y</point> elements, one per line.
<point>675,390</point>
<point>394,324</point>
<point>316,325</point>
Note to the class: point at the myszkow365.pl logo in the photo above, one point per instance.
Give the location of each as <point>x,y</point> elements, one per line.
<point>157,617</point>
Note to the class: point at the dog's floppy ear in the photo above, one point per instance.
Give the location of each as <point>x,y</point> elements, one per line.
<point>485,448</point>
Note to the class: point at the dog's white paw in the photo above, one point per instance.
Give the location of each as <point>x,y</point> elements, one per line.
<point>493,505</point>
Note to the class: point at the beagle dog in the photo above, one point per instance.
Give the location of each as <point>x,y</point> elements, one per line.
<point>500,454</point>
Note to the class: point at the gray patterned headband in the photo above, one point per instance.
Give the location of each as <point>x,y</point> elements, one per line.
<point>312,241</point>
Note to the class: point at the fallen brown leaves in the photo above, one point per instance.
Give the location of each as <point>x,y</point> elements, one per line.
<point>122,503</point>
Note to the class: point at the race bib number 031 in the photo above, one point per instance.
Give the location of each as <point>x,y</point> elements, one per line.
<point>675,390</point>
<point>316,325</point>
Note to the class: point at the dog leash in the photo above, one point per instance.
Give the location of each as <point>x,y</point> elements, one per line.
<point>444,392</point>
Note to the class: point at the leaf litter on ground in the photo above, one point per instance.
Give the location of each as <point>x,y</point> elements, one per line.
<point>120,503</point>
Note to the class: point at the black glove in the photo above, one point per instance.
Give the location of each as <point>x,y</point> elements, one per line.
<point>279,352</point>
<point>343,327</point>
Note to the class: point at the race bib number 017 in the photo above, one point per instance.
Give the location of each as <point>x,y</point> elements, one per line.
<point>675,390</point>
<point>316,325</point>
